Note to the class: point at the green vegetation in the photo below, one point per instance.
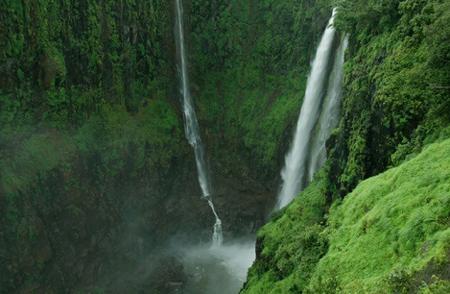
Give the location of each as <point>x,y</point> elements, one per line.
<point>390,235</point>
<point>91,137</point>
<point>92,143</point>
<point>292,244</point>
<point>396,91</point>
<point>392,232</point>
<point>250,60</point>
<point>61,60</point>
<point>65,191</point>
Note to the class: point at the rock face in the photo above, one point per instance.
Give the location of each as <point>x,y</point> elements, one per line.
<point>95,172</point>
<point>243,204</point>
<point>73,226</point>
<point>96,176</point>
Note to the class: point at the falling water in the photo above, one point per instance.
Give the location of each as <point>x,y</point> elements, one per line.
<point>329,117</point>
<point>191,124</point>
<point>293,173</point>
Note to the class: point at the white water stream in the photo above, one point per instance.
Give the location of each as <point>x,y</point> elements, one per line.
<point>227,265</point>
<point>329,118</point>
<point>294,171</point>
<point>191,124</point>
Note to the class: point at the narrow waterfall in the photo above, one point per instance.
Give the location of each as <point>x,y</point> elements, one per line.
<point>329,117</point>
<point>191,123</point>
<point>293,173</point>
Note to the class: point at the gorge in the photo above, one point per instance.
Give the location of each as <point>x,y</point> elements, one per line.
<point>141,144</point>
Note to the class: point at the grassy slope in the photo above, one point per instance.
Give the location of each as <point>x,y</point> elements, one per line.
<point>390,235</point>
<point>395,102</point>
<point>290,245</point>
<point>392,227</point>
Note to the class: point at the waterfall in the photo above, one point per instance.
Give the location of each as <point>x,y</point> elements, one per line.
<point>329,117</point>
<point>293,173</point>
<point>191,123</point>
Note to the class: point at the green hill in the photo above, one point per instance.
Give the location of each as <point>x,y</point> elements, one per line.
<point>390,235</point>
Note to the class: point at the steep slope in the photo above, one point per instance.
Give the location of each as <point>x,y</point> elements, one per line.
<point>396,93</point>
<point>95,172</point>
<point>250,60</point>
<point>290,245</point>
<point>90,141</point>
<point>393,231</point>
<point>395,101</point>
<point>390,235</point>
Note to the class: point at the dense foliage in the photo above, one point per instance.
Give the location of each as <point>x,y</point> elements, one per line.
<point>392,232</point>
<point>90,136</point>
<point>290,246</point>
<point>390,235</point>
<point>89,114</point>
<point>61,60</point>
<point>397,86</point>
<point>92,144</point>
<point>250,60</point>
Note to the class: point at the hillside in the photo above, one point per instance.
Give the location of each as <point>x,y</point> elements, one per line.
<point>390,235</point>
<point>383,238</point>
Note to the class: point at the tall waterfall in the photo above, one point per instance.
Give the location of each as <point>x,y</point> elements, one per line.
<point>191,123</point>
<point>329,117</point>
<point>294,171</point>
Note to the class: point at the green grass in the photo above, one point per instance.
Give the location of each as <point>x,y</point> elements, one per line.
<point>292,244</point>
<point>397,222</point>
<point>390,235</point>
